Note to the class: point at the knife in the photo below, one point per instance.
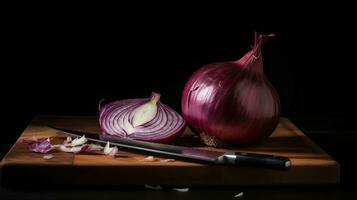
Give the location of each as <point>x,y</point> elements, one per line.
<point>207,156</point>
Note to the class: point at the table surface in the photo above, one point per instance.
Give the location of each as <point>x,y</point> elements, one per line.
<point>335,143</point>
<point>310,164</point>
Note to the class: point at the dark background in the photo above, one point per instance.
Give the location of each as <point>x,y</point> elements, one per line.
<point>65,62</point>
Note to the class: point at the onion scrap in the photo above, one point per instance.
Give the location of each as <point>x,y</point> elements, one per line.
<point>74,149</point>
<point>239,195</point>
<point>158,187</point>
<point>153,187</point>
<point>38,145</point>
<point>153,159</point>
<point>48,156</point>
<point>96,147</point>
<point>111,151</point>
<point>78,141</point>
<point>68,140</point>
<point>181,189</point>
<point>43,145</point>
<point>150,159</point>
<point>167,160</point>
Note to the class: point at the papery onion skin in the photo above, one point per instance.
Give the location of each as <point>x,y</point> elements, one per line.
<point>232,102</point>
<point>165,127</point>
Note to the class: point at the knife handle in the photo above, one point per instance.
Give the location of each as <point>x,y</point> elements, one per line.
<point>255,160</point>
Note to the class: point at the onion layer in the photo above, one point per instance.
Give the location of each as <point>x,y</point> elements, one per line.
<point>145,119</point>
<point>232,102</point>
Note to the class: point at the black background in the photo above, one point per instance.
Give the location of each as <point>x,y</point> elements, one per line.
<point>64,62</point>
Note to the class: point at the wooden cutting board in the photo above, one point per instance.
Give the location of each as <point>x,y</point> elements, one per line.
<point>310,164</point>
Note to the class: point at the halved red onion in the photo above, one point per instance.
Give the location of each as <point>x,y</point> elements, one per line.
<point>145,119</point>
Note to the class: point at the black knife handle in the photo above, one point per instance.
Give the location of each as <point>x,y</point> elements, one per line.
<point>255,160</point>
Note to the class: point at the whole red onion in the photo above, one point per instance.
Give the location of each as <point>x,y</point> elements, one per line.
<point>232,102</point>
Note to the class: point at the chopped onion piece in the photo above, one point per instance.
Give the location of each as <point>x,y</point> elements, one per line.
<point>79,141</point>
<point>239,195</point>
<point>68,140</point>
<point>33,140</point>
<point>43,145</point>
<point>48,156</point>
<point>75,149</point>
<point>153,187</point>
<point>114,151</point>
<point>153,159</point>
<point>181,189</point>
<point>95,147</point>
<point>110,150</point>
<point>38,145</point>
<point>167,160</point>
<point>150,159</point>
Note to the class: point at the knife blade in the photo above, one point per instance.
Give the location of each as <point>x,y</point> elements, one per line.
<point>192,154</point>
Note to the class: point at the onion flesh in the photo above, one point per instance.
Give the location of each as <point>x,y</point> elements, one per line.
<point>146,119</point>
<point>145,112</point>
<point>42,145</point>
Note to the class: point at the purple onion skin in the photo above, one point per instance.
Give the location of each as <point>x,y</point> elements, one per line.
<point>232,101</point>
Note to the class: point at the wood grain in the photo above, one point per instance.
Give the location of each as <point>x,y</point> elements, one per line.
<point>311,165</point>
